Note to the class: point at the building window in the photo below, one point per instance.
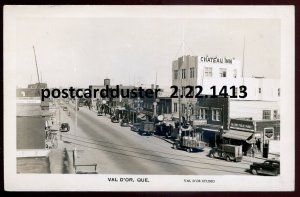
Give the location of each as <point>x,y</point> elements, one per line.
<point>175,107</point>
<point>222,72</point>
<point>192,72</point>
<point>203,113</point>
<point>216,115</point>
<point>183,74</point>
<point>234,73</point>
<point>266,114</point>
<point>183,90</point>
<point>259,90</point>
<point>236,91</point>
<point>278,91</point>
<point>208,72</point>
<point>175,74</point>
<point>275,115</point>
<point>183,108</point>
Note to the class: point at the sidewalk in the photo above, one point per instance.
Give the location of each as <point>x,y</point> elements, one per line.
<point>58,159</point>
<point>165,139</point>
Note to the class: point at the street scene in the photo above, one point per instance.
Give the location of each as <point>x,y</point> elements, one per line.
<point>216,111</point>
<point>122,151</point>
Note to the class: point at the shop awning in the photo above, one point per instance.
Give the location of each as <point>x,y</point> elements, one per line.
<point>238,135</point>
<point>209,127</point>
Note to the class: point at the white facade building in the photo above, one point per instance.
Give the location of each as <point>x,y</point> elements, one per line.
<point>216,71</point>
<point>257,110</point>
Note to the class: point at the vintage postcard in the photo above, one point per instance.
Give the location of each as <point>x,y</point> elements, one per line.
<point>149,98</point>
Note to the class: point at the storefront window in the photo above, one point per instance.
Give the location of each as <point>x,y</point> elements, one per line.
<point>203,113</point>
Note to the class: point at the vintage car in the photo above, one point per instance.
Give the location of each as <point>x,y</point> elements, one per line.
<point>135,127</point>
<point>228,152</point>
<point>114,119</point>
<point>99,113</point>
<point>269,167</point>
<point>146,128</point>
<point>124,122</point>
<point>64,127</point>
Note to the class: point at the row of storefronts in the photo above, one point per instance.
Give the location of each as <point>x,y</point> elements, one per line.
<point>213,124</point>
<point>215,127</point>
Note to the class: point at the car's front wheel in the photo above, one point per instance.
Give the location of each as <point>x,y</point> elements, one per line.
<point>254,171</point>
<point>228,158</point>
<point>174,146</point>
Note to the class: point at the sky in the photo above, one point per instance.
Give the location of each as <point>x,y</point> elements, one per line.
<point>83,51</point>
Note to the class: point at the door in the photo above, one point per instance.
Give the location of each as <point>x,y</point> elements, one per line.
<point>267,168</point>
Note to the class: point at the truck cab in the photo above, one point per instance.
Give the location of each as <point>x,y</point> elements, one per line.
<point>187,140</point>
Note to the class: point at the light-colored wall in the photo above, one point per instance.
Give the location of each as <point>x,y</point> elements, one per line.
<point>269,87</point>
<point>253,109</point>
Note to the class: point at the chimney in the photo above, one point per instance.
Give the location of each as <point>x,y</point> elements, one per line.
<point>106,82</point>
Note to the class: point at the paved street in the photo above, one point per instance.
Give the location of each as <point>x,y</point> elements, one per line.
<point>118,150</point>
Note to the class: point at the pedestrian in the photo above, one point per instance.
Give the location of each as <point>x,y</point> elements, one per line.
<point>252,150</point>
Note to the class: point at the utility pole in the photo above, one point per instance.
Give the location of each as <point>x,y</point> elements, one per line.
<point>243,60</point>
<point>76,107</point>
<point>179,104</point>
<point>155,103</point>
<point>37,69</point>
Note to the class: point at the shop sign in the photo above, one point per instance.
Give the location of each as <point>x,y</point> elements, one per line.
<point>269,133</point>
<point>199,122</point>
<point>241,125</point>
<point>222,60</point>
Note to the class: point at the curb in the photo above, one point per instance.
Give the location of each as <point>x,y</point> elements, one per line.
<point>167,140</point>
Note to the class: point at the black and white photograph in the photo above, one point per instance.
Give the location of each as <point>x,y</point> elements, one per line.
<point>149,98</point>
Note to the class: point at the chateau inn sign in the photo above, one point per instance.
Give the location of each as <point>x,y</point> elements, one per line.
<point>242,125</point>
<point>216,60</point>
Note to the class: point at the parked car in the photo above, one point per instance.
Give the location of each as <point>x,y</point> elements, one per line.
<point>64,127</point>
<point>269,167</point>
<point>124,122</point>
<point>65,109</point>
<point>99,113</point>
<point>114,119</point>
<point>146,128</point>
<point>228,152</point>
<point>135,126</point>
